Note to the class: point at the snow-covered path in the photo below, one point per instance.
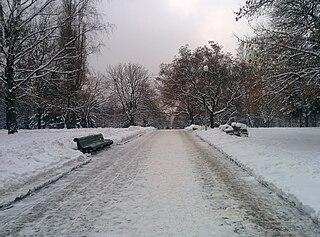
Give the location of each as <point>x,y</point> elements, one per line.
<point>166,183</point>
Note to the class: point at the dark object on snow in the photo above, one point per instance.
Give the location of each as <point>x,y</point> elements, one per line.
<point>240,129</point>
<point>92,143</point>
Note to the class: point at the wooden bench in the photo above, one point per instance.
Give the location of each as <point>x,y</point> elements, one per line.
<point>91,143</point>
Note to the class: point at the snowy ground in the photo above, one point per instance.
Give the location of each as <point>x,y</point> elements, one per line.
<point>29,153</point>
<point>165,183</point>
<point>288,158</point>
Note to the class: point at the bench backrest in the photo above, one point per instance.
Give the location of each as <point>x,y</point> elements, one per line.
<point>84,141</point>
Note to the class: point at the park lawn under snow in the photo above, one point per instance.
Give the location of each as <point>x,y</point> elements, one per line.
<point>288,158</point>
<point>30,152</point>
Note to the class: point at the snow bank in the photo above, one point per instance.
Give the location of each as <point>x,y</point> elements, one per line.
<point>239,125</point>
<point>30,152</point>
<point>193,127</point>
<point>288,158</point>
<point>226,128</point>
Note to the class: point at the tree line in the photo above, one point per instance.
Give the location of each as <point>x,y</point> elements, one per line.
<point>273,81</point>
<point>202,80</point>
<point>45,81</point>
<point>284,53</point>
<point>43,58</point>
<point>44,75</point>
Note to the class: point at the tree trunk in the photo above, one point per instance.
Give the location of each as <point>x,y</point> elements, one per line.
<point>306,119</point>
<point>87,120</point>
<point>211,119</point>
<point>131,120</point>
<point>191,118</point>
<point>314,120</point>
<point>250,122</point>
<point>145,122</point>
<point>39,118</point>
<point>70,116</point>
<point>11,113</point>
<point>300,118</point>
<point>71,119</point>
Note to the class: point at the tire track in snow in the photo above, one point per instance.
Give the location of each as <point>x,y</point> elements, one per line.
<point>165,199</point>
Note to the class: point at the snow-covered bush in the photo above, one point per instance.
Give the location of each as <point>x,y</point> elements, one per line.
<point>238,129</point>
<point>239,125</point>
<point>226,128</point>
<point>193,127</point>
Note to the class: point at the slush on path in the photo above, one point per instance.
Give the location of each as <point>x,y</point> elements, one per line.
<point>165,183</point>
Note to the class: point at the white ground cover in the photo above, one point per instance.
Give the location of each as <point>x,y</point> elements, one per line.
<point>288,158</point>
<point>29,152</point>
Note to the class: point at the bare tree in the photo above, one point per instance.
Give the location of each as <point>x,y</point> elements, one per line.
<point>288,48</point>
<point>30,29</point>
<point>92,98</point>
<point>129,82</point>
<point>192,90</point>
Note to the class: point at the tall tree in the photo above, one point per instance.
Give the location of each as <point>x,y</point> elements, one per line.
<point>28,30</point>
<point>190,88</point>
<point>91,98</point>
<point>15,17</point>
<point>289,49</point>
<point>129,83</point>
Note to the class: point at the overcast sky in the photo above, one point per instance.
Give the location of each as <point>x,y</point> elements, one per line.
<point>150,32</point>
